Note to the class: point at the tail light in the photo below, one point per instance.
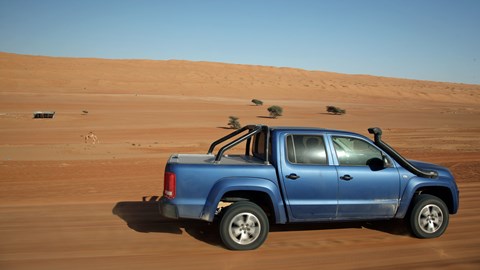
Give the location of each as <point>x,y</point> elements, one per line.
<point>169,185</point>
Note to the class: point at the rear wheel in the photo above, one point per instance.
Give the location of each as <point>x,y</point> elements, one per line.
<point>243,226</point>
<point>429,216</point>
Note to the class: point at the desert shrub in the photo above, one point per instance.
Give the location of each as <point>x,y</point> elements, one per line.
<point>335,110</point>
<point>233,122</point>
<point>275,111</point>
<point>257,102</point>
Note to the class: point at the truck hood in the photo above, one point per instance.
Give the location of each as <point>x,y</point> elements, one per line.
<point>442,171</point>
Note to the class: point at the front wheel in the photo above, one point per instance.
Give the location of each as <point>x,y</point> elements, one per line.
<point>429,216</point>
<point>244,226</point>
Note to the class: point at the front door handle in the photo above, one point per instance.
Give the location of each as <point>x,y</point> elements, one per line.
<point>293,176</point>
<point>346,177</point>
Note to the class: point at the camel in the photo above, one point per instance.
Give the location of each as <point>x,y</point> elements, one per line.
<point>91,136</point>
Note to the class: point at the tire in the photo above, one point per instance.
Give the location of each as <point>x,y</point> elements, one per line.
<point>429,216</point>
<point>243,226</point>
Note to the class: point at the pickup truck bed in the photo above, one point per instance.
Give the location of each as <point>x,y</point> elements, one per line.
<point>210,159</point>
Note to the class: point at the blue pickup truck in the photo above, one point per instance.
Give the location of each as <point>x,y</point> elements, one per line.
<point>292,174</point>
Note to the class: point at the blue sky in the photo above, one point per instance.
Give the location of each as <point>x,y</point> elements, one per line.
<point>435,40</point>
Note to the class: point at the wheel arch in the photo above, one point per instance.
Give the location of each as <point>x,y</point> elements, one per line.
<point>262,192</point>
<point>442,192</point>
<point>260,198</point>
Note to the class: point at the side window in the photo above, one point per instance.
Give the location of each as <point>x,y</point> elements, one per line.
<point>306,149</point>
<point>355,152</point>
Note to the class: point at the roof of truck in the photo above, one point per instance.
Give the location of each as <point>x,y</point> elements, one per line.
<point>307,129</point>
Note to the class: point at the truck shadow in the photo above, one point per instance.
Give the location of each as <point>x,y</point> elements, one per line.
<point>144,217</point>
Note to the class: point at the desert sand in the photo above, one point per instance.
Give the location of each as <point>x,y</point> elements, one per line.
<point>67,204</point>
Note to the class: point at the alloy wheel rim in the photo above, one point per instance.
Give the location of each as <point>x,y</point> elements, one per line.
<point>430,218</point>
<point>244,228</point>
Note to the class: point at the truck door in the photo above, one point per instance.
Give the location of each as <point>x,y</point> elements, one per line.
<point>369,185</point>
<point>310,184</point>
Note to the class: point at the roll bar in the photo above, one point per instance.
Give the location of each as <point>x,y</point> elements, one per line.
<point>252,130</point>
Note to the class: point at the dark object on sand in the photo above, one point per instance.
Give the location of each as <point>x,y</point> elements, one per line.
<point>43,114</point>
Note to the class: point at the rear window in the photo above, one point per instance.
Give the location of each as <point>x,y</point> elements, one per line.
<point>306,149</point>
<point>258,145</point>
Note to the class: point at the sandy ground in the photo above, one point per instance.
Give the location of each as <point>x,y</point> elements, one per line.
<point>65,204</point>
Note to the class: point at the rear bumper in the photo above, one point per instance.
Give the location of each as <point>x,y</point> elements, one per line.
<point>167,209</point>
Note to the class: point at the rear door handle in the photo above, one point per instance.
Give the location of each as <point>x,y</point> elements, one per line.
<point>293,176</point>
<point>346,177</point>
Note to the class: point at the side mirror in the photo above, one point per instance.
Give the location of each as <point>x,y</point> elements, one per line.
<point>376,164</point>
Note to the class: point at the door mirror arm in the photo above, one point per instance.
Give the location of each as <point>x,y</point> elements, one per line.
<point>386,162</point>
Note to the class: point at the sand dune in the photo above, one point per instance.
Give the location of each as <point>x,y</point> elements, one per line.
<point>67,204</point>
<point>21,73</point>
